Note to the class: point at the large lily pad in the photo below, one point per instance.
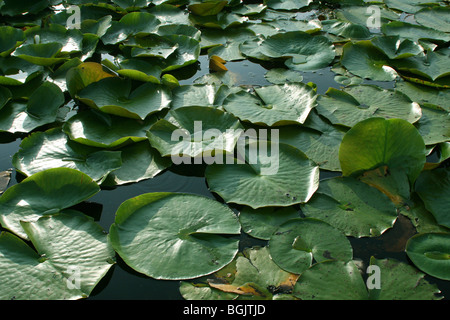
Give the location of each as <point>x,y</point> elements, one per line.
<point>396,47</point>
<point>72,255</point>
<point>351,206</point>
<point>376,142</point>
<point>434,125</point>
<point>424,94</point>
<point>157,233</point>
<point>413,32</point>
<point>54,149</point>
<point>295,244</point>
<point>353,104</point>
<point>44,193</point>
<point>280,176</point>
<point>430,252</point>
<point>10,38</point>
<point>433,187</point>
<point>410,6</point>
<point>339,280</point>
<point>42,54</point>
<point>273,105</point>
<point>84,74</point>
<point>195,132</point>
<point>287,4</point>
<point>115,96</point>
<point>434,17</point>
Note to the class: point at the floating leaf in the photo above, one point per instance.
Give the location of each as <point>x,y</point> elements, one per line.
<point>396,47</point>
<point>376,142</point>
<point>287,4</point>
<point>207,8</point>
<point>430,252</point>
<point>44,193</point>
<point>42,54</point>
<point>281,76</point>
<point>276,175</point>
<point>433,65</point>
<point>436,18</point>
<point>351,206</point>
<point>10,38</point>
<point>423,94</point>
<point>413,32</point>
<point>72,255</point>
<point>434,125</point>
<point>175,233</point>
<point>84,74</point>
<point>53,149</point>
<point>5,96</point>
<point>410,6</point>
<point>356,103</point>
<point>5,177</point>
<point>273,105</point>
<point>295,244</point>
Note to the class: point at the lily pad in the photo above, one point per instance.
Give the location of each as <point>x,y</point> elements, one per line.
<point>351,206</point>
<point>44,193</point>
<point>10,38</point>
<point>42,54</point>
<point>115,96</point>
<point>72,255</point>
<point>410,6</point>
<point>434,17</point>
<point>367,61</point>
<point>193,95</point>
<point>376,142</point>
<point>424,94</point>
<point>430,252</point>
<point>102,130</point>
<point>433,187</point>
<point>187,53</point>
<point>175,233</point>
<point>413,32</point>
<point>273,105</point>
<point>396,47</point>
<point>434,125</point>
<point>53,149</point>
<point>5,177</point>
<point>287,4</point>
<point>207,8</point>
<point>282,76</point>
<point>353,104</point>
<point>295,244</point>
<point>5,96</point>
<point>195,132</point>
<point>83,75</point>
<point>280,176</point>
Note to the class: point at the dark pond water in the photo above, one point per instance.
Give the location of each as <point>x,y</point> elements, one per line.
<point>122,282</point>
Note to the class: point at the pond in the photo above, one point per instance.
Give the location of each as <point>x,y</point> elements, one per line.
<point>329,81</point>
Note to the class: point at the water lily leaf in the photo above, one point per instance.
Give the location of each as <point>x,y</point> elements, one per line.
<point>436,18</point>
<point>356,103</point>
<point>195,132</point>
<point>139,162</point>
<point>14,8</point>
<point>226,43</point>
<point>424,94</point>
<point>133,23</point>
<point>10,38</point>
<point>53,149</point>
<point>114,95</point>
<point>5,96</point>
<point>70,39</point>
<point>256,277</point>
<point>359,14</point>
<point>175,233</point>
<point>131,3</point>
<point>140,70</point>
<point>249,9</point>
<point>303,51</point>
<point>346,30</point>
<point>222,20</point>
<point>67,245</point>
<point>376,142</point>
<point>413,32</point>
<point>262,223</point>
<point>295,244</point>
<point>44,193</point>
<point>5,177</point>
<point>193,291</point>
<point>42,54</point>
<point>84,74</point>
<point>280,179</point>
<point>287,4</point>
<point>284,25</point>
<point>433,65</point>
<point>434,125</point>
<point>410,6</point>
<point>352,206</point>
<point>102,130</point>
<point>186,54</point>
<point>194,95</point>
<point>150,45</point>
<point>273,105</point>
<point>281,76</point>
<point>206,8</point>
<point>433,187</point>
<point>170,15</point>
<point>367,61</point>
<point>396,47</point>
<point>430,252</point>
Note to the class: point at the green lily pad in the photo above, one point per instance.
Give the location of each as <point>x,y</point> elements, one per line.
<point>287,4</point>
<point>222,20</point>
<point>102,130</point>
<point>44,193</point>
<point>195,132</point>
<point>42,54</point>
<point>413,32</point>
<point>273,105</point>
<point>206,8</point>
<point>175,233</point>
<point>352,206</point>
<point>410,6</point>
<point>194,95</point>
<point>84,74</point>
<point>140,70</point>
<point>430,252</point>
<point>5,96</point>
<point>436,18</point>
<point>186,54</point>
<point>10,38</point>
<point>339,280</point>
<point>72,255</point>
<point>396,47</point>
<point>375,142</point>
<point>53,149</point>
<point>70,39</point>
<point>295,244</point>
<point>360,14</point>
<point>424,94</point>
<point>5,177</point>
<point>262,223</point>
<point>433,187</point>
<point>346,30</point>
<point>367,61</point>
<point>151,45</point>
<point>14,8</point>
<point>114,95</point>
<point>280,176</point>
<point>139,162</point>
<point>434,125</point>
<point>282,76</point>
<point>353,104</point>
<point>304,52</point>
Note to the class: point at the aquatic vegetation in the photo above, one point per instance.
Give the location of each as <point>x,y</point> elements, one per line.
<point>343,137</point>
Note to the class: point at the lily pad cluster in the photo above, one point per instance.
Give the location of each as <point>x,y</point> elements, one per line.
<point>95,92</point>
